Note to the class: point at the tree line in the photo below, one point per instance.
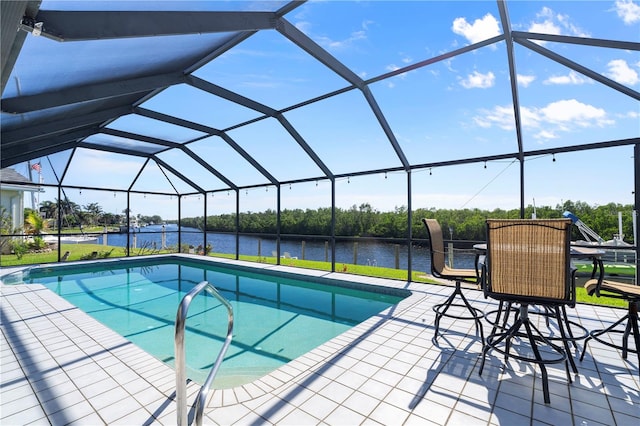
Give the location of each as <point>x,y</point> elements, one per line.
<point>72,214</point>
<point>356,221</point>
<point>365,221</point>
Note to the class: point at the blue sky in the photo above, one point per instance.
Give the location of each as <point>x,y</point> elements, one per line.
<point>460,107</point>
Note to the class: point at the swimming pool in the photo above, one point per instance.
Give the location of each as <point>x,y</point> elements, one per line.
<point>277,317</point>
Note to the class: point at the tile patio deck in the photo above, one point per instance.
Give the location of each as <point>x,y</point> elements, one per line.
<point>59,367</point>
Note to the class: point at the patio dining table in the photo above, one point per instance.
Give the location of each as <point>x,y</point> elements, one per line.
<point>576,252</point>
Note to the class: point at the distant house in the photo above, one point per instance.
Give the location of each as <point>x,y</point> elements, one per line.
<point>12,188</point>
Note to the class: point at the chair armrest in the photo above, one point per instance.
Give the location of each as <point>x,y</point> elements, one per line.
<point>481,269</point>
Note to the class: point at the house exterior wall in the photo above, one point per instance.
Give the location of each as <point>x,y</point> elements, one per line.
<point>12,202</point>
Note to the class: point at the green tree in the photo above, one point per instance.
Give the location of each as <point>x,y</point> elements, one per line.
<point>93,213</point>
<point>34,224</point>
<point>49,209</point>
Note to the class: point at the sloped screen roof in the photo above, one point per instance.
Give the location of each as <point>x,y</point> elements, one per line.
<point>225,95</point>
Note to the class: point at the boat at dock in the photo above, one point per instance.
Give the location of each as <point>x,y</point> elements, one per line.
<point>72,239</point>
<point>619,258</point>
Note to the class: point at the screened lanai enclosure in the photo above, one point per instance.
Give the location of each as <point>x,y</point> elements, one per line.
<point>278,129</point>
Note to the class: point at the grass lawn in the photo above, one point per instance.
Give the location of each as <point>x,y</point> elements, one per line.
<point>84,251</point>
<point>76,252</point>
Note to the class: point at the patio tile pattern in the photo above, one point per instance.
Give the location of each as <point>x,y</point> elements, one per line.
<point>60,366</point>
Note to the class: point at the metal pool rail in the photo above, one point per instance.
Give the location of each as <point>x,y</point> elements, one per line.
<point>181,380</point>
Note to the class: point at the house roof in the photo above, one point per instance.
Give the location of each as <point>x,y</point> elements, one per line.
<point>11,179</point>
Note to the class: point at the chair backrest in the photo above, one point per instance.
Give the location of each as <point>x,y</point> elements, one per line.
<point>436,246</point>
<point>529,260</point>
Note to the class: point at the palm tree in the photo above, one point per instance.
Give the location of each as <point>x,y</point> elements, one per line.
<point>69,211</point>
<point>34,224</point>
<point>50,209</point>
<point>94,212</point>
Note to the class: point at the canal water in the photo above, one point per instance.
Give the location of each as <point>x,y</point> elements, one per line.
<point>372,253</point>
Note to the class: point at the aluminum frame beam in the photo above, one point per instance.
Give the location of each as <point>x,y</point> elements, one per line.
<point>597,42</point>
<point>191,183</point>
<point>309,46</point>
<point>141,138</point>
<point>57,127</point>
<point>211,132</point>
<point>229,95</point>
<point>90,92</point>
<point>263,109</point>
<point>579,68</point>
<point>12,40</point>
<point>173,145</point>
<point>100,25</point>
<point>44,147</point>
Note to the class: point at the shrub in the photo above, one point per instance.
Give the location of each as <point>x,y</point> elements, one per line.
<point>96,255</point>
<point>19,248</point>
<point>37,243</point>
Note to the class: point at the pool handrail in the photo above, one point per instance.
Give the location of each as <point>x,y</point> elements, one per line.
<point>181,380</point>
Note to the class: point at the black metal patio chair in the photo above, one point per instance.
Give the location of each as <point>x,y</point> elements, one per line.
<point>618,290</point>
<point>528,264</point>
<point>440,269</point>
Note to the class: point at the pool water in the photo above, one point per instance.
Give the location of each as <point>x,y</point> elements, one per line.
<point>276,318</point>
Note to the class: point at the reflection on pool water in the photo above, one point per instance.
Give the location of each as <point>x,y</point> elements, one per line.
<point>276,318</point>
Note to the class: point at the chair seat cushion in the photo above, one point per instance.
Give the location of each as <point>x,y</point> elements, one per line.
<point>627,290</point>
<point>465,274</point>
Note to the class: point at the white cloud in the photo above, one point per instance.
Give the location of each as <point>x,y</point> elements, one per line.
<point>500,116</point>
<point>367,23</point>
<point>304,26</point>
<point>549,22</point>
<point>525,80</point>
<point>482,121</point>
<point>546,27</point>
<point>574,112</point>
<point>561,116</point>
<point>570,28</point>
<point>342,44</point>
<point>529,117</point>
<point>480,30</point>
<point>571,78</point>
<point>621,72</point>
<point>478,80</point>
<point>331,44</point>
<point>394,67</point>
<point>628,11</point>
<point>448,63</point>
<point>545,135</point>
